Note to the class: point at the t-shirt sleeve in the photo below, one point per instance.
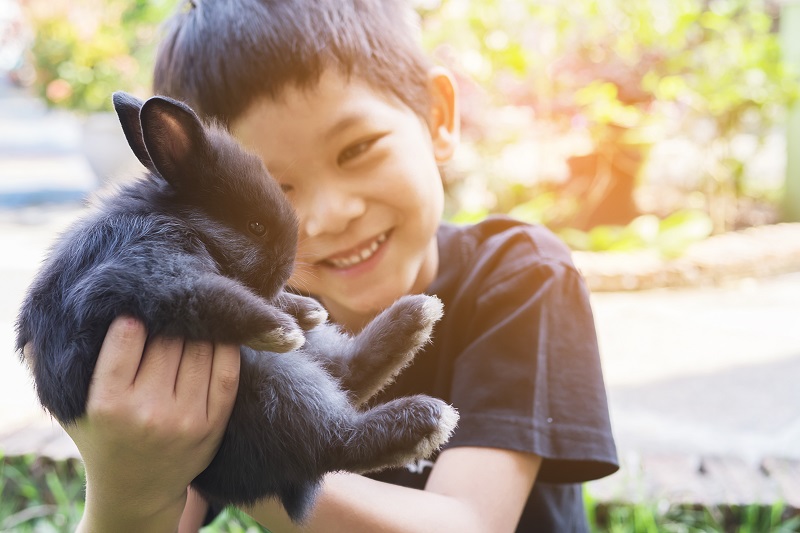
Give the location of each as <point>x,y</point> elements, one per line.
<point>529,376</point>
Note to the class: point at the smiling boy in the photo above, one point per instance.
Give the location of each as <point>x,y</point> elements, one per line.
<point>353,122</point>
<point>350,162</point>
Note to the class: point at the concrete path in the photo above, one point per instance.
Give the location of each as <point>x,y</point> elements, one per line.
<point>705,370</point>
<point>40,152</point>
<point>703,391</point>
<point>703,383</point>
<point>44,178</point>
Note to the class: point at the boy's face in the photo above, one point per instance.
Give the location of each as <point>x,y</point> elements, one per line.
<point>361,171</point>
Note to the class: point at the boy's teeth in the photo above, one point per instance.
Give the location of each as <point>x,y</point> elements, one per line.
<point>363,255</point>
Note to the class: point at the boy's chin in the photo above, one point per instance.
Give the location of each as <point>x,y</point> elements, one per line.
<point>364,310</point>
<point>373,306</point>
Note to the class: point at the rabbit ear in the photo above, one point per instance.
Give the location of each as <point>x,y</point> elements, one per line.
<point>174,137</point>
<point>128,107</point>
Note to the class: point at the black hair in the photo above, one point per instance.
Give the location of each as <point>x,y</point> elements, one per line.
<point>220,56</point>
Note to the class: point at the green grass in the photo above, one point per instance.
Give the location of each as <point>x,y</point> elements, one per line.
<point>38,495</point>
<point>233,521</point>
<point>666,517</point>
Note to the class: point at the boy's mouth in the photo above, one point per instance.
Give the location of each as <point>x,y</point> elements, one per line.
<point>357,254</point>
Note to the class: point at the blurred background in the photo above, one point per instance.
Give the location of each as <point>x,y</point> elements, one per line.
<point>578,116</point>
<point>658,138</point>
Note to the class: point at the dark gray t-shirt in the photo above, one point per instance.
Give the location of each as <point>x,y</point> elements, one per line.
<point>516,353</point>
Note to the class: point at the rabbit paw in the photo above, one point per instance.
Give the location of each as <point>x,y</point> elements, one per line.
<point>312,318</point>
<point>448,420</point>
<point>411,320</point>
<point>279,340</point>
<point>308,312</point>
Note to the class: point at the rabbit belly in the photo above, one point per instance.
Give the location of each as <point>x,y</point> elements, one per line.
<point>292,423</point>
<point>287,429</point>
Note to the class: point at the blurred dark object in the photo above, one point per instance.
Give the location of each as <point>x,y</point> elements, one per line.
<point>605,180</point>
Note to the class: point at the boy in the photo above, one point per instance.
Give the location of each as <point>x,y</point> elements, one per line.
<point>352,120</point>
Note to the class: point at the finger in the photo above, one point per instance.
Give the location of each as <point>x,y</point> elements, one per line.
<point>224,382</point>
<point>194,373</point>
<point>120,354</point>
<point>158,371</point>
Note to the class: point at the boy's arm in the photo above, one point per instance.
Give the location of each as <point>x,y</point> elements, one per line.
<point>145,435</point>
<point>469,489</point>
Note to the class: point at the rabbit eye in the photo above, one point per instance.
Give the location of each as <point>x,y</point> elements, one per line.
<point>257,228</point>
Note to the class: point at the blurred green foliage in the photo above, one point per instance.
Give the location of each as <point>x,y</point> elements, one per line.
<point>670,235</point>
<point>606,79</point>
<point>84,50</point>
<point>39,495</point>
<point>663,516</point>
<point>561,103</point>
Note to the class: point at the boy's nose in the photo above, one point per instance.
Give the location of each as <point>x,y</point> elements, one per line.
<point>331,211</point>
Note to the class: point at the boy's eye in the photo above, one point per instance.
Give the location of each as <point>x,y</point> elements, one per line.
<point>355,150</point>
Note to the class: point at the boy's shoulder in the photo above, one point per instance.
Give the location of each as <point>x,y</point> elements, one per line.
<point>502,237</point>
<point>477,257</point>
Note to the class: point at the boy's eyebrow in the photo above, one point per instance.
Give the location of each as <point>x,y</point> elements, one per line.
<point>347,121</point>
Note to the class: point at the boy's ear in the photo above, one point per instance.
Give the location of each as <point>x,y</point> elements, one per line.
<point>443,118</point>
<point>128,107</point>
<point>174,137</point>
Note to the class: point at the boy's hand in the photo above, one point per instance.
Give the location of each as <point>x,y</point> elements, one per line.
<point>154,419</point>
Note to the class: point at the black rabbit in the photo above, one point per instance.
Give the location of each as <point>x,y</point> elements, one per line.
<point>201,247</point>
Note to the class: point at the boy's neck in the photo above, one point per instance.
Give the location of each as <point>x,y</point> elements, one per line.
<point>349,320</point>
